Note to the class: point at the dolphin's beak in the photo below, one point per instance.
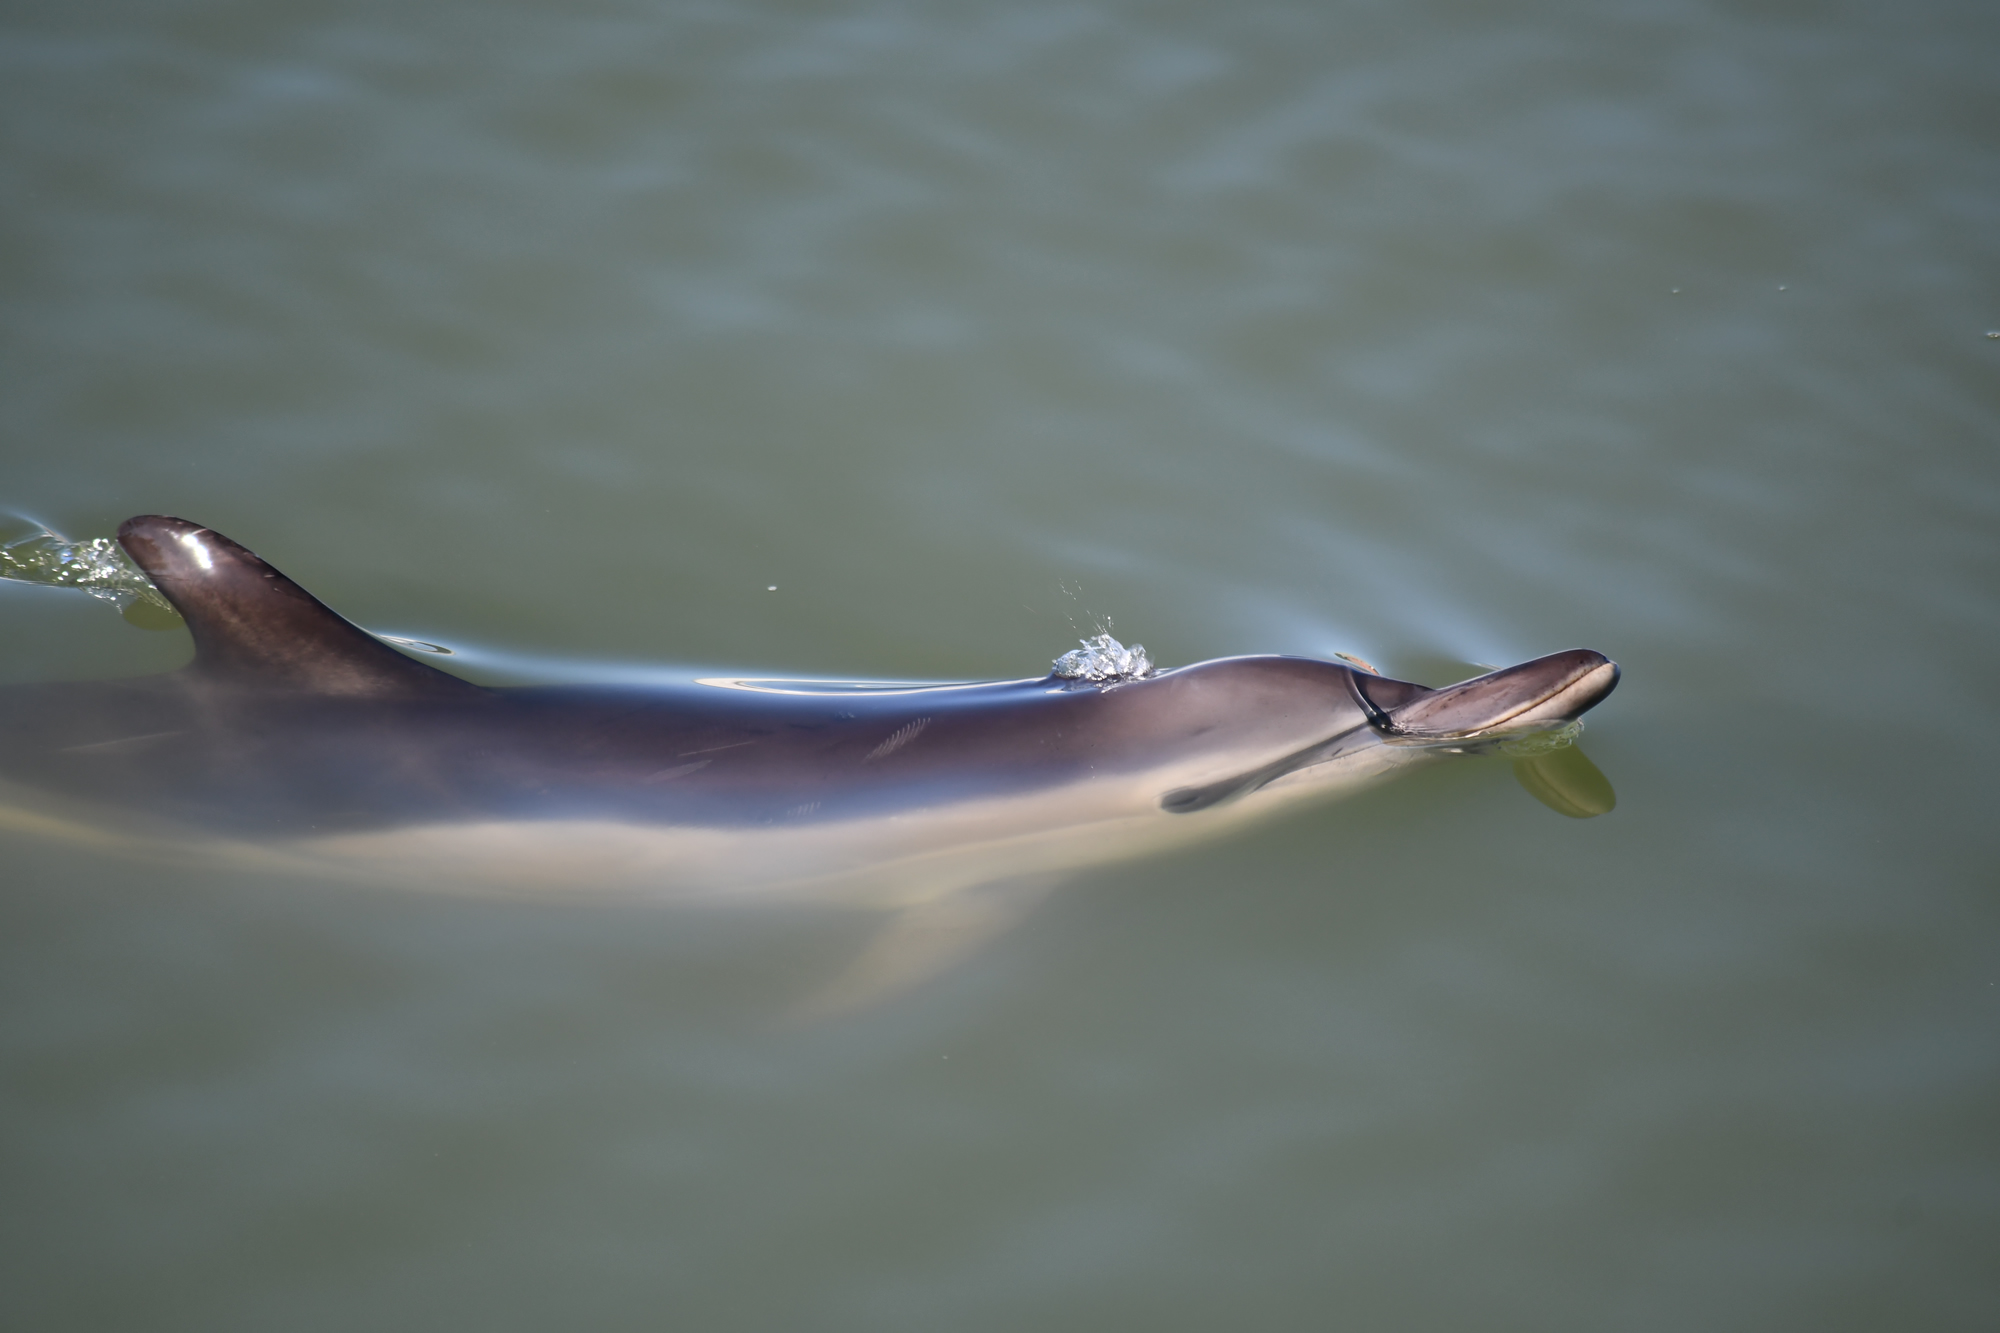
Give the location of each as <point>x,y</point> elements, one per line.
<point>1533,696</point>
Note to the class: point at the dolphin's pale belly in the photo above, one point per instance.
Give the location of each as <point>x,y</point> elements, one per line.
<point>893,859</point>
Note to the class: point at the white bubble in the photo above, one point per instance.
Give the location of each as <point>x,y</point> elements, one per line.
<point>1103,660</point>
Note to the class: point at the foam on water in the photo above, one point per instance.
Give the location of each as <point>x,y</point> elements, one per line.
<point>33,553</point>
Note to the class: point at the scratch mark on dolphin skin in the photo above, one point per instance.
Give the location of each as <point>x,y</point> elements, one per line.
<point>678,771</point>
<point>733,745</point>
<point>902,736</point>
<point>122,740</point>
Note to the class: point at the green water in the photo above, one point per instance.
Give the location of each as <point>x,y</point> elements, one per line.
<point>1434,333</point>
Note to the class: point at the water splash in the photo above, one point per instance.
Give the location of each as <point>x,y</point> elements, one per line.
<point>1543,742</point>
<point>32,553</point>
<point>1103,661</point>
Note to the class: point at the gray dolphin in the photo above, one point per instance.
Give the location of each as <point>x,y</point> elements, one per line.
<point>295,738</point>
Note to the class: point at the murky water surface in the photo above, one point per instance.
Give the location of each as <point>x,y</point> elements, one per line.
<point>922,340</point>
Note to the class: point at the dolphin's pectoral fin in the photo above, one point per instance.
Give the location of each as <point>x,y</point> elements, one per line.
<point>922,941</point>
<point>1567,782</point>
<point>253,625</point>
<point>1187,800</point>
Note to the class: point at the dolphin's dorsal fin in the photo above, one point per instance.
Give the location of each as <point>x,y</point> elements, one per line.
<point>253,625</point>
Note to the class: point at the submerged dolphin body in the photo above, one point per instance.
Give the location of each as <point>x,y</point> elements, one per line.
<point>297,738</point>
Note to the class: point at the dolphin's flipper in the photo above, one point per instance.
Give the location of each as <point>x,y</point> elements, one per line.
<point>1189,800</point>
<point>1567,782</point>
<point>922,941</point>
<point>255,627</point>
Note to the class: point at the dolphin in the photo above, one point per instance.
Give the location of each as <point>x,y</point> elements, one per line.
<point>296,739</point>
